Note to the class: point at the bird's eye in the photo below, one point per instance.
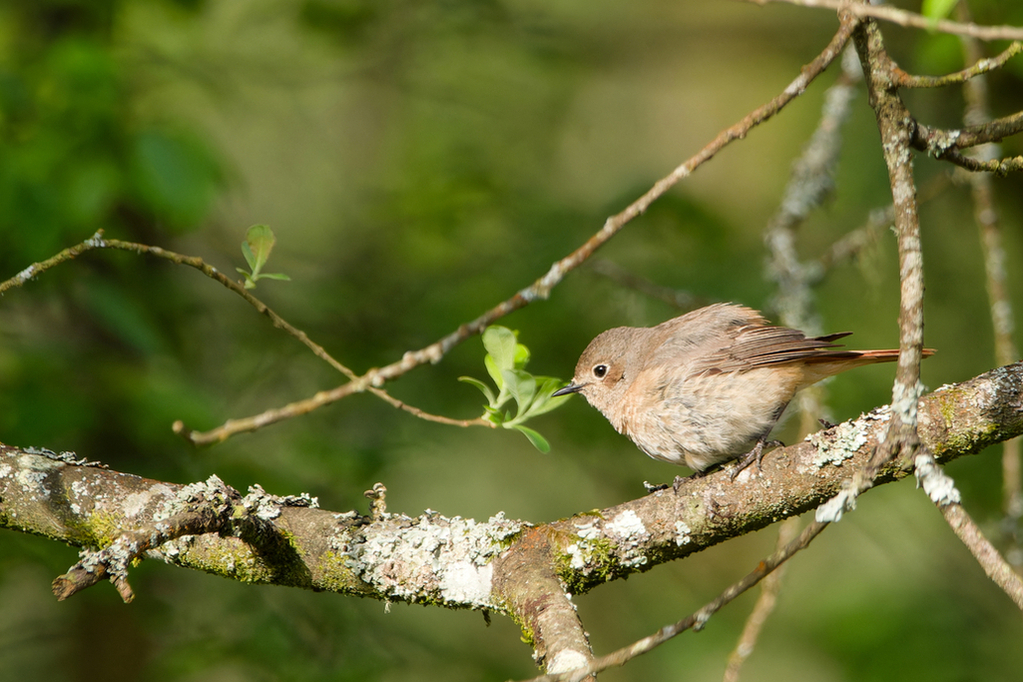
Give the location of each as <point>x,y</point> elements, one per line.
<point>599,371</point>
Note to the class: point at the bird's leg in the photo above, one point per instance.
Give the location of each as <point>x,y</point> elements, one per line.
<point>826,424</point>
<point>755,455</point>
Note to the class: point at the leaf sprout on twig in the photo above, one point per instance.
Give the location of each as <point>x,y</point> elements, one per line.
<point>259,242</point>
<point>505,362</point>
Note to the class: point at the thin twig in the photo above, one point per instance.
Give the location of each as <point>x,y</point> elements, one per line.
<point>937,142</point>
<point>999,167</point>
<point>942,491</point>
<point>762,609</point>
<point>97,241</point>
<point>909,19</point>
<point>979,68</point>
<point>896,125</point>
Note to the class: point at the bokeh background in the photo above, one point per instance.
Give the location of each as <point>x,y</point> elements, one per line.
<point>420,162</point>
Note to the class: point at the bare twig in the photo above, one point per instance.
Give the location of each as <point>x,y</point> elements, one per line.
<point>942,491</point>
<point>97,241</point>
<point>999,167</point>
<point>762,609</point>
<point>979,68</point>
<point>909,19</point>
<point>937,142</point>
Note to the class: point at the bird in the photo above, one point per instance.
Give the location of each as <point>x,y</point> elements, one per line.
<point>707,387</point>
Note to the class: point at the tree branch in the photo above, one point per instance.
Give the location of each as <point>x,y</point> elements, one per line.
<point>541,288</point>
<point>909,19</point>
<point>942,491</point>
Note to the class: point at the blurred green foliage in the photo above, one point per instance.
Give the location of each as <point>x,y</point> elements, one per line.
<point>421,162</point>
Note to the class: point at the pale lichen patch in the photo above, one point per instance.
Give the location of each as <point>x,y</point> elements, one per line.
<point>565,660</point>
<point>631,534</point>
<point>446,559</point>
<point>842,442</point>
<point>683,534</point>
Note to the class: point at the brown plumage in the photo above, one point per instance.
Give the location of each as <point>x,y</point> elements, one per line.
<point>707,387</point>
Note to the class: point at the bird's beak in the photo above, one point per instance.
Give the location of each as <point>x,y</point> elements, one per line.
<point>571,388</point>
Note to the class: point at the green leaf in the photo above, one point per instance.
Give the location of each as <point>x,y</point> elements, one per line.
<point>522,386</point>
<point>937,9</point>
<point>260,240</point>
<point>249,258</point>
<point>249,283</point>
<point>538,441</point>
<point>501,345</point>
<point>481,386</point>
<point>280,276</point>
<point>493,371</point>
<point>543,402</point>
<point>521,356</point>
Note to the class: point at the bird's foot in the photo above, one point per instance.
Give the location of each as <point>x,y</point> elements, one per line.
<point>754,455</point>
<point>674,485</point>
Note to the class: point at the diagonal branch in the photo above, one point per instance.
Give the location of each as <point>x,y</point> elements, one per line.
<point>942,491</point>
<point>541,288</point>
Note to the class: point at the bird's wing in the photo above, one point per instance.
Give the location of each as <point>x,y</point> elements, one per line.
<point>759,346</point>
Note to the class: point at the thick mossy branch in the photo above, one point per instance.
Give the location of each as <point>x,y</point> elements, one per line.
<point>433,559</point>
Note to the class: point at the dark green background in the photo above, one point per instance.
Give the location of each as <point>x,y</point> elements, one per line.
<point>421,162</point>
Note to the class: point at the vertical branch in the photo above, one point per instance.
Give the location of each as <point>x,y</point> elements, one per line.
<point>525,581</point>
<point>986,216</point>
<point>896,126</point>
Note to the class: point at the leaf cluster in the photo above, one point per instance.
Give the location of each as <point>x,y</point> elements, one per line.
<point>505,361</point>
